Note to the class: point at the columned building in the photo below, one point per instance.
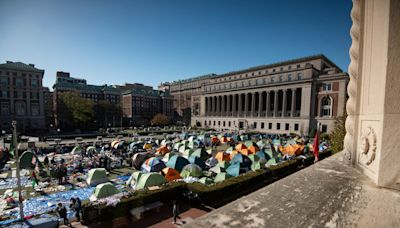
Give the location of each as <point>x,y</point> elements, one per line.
<point>21,97</point>
<point>285,97</point>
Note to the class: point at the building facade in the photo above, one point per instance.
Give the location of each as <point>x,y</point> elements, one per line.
<point>21,97</point>
<point>286,97</point>
<point>142,103</point>
<point>96,93</point>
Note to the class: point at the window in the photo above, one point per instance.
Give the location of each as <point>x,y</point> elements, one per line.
<point>35,109</point>
<point>259,72</point>
<point>223,123</point>
<point>4,94</point>
<point>326,106</point>
<point>20,108</point>
<point>287,127</point>
<point>229,123</point>
<point>262,125</point>
<point>5,109</point>
<point>324,128</point>
<point>281,69</point>
<point>273,70</point>
<point>266,71</point>
<point>299,76</point>
<point>298,65</point>
<point>270,126</point>
<point>280,78</point>
<point>219,123</point>
<point>289,67</point>
<point>278,126</point>
<point>252,74</point>
<point>326,87</point>
<point>289,77</point>
<point>19,82</point>
<point>272,80</point>
<point>205,123</point>
<point>255,125</point>
<point>296,127</point>
<point>4,81</point>
<point>214,122</point>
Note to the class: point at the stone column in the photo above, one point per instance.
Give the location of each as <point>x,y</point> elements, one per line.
<point>267,105</point>
<point>223,106</point>
<point>293,107</point>
<point>260,96</point>
<point>246,104</point>
<point>284,102</point>
<point>253,104</point>
<point>240,105</point>
<point>276,103</point>
<point>234,105</point>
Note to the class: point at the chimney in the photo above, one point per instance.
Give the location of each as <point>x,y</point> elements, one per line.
<point>32,65</point>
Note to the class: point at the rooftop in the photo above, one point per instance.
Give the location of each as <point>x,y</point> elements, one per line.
<point>20,66</point>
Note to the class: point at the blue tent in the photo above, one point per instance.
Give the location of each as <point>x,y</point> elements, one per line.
<point>236,169</point>
<point>153,165</point>
<point>243,159</point>
<point>177,162</point>
<point>135,146</point>
<point>196,160</point>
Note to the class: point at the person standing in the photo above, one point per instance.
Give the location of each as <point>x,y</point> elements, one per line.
<point>34,179</point>
<point>175,212</point>
<point>62,211</point>
<point>74,206</point>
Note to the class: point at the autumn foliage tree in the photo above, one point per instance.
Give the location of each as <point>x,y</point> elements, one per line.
<point>337,134</point>
<point>160,120</point>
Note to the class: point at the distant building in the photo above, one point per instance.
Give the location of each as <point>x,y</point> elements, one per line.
<point>285,97</point>
<point>164,86</point>
<point>96,93</point>
<point>21,97</point>
<point>142,103</point>
<point>48,107</point>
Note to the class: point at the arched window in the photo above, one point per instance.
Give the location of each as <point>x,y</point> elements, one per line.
<point>326,106</point>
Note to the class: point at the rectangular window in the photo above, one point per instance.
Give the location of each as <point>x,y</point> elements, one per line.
<point>299,76</point>
<point>223,123</point>
<point>219,123</point>
<point>4,81</point>
<point>296,127</point>
<point>278,126</point>
<point>270,126</point>
<point>281,69</point>
<point>326,87</point>
<point>324,128</point>
<point>298,65</point>
<point>5,109</point>
<point>272,80</point>
<point>289,67</point>
<point>4,94</point>
<point>280,78</point>
<point>19,82</point>
<point>262,125</point>
<point>289,77</point>
<point>255,125</point>
<point>229,123</point>
<point>35,109</point>
<point>287,127</point>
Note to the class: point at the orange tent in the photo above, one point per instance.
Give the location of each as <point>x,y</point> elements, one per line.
<point>240,147</point>
<point>253,149</point>
<point>171,174</point>
<point>114,143</point>
<point>214,140</point>
<point>163,150</point>
<point>246,152</point>
<point>232,154</point>
<point>224,140</point>
<point>221,156</point>
<point>292,149</point>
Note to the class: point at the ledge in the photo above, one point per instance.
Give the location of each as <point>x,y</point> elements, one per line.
<point>327,194</point>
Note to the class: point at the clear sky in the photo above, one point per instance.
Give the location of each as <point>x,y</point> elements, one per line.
<point>112,42</point>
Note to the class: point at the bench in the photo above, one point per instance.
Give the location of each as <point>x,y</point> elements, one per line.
<point>137,212</point>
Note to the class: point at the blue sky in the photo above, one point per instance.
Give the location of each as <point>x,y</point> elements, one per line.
<point>112,42</point>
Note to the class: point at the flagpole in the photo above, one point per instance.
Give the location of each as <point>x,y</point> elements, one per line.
<point>21,205</point>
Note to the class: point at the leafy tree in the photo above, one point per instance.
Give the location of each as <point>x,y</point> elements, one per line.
<point>338,133</point>
<point>160,120</point>
<point>107,112</point>
<point>81,109</point>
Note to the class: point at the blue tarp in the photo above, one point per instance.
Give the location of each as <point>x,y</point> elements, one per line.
<point>12,182</point>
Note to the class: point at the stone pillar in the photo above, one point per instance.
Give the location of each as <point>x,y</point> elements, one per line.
<point>293,106</point>
<point>246,104</point>
<point>253,104</point>
<point>267,105</point>
<point>284,102</point>
<point>276,103</point>
<point>234,105</point>
<point>260,96</point>
<point>305,101</point>
<point>373,107</point>
<point>223,103</point>
<point>240,105</point>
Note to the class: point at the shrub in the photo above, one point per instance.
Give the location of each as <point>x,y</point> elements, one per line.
<point>337,134</point>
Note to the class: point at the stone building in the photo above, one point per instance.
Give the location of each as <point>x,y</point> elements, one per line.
<point>141,104</point>
<point>284,97</point>
<point>96,93</point>
<point>48,107</point>
<point>21,97</point>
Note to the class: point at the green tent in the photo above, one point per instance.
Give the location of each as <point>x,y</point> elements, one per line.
<point>221,177</point>
<point>25,160</point>
<point>96,176</point>
<point>216,169</point>
<point>271,161</point>
<point>201,153</point>
<point>192,145</point>
<point>250,143</point>
<point>188,152</point>
<point>103,190</point>
<point>134,177</point>
<point>177,145</point>
<point>206,180</point>
<point>192,170</point>
<point>150,179</point>
<point>254,158</point>
<point>261,144</point>
<point>77,150</point>
<point>177,162</point>
<point>91,149</point>
<point>167,156</point>
<point>183,148</point>
<point>256,166</point>
<point>229,150</point>
<point>269,152</point>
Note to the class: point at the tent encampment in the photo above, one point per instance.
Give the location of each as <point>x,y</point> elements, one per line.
<point>177,162</point>
<point>149,179</point>
<point>103,190</point>
<point>96,176</point>
<point>191,170</point>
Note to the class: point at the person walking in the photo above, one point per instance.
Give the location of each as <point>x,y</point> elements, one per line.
<point>74,206</point>
<point>175,212</point>
<point>62,211</point>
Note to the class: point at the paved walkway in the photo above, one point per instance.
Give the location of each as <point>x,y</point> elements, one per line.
<point>327,194</point>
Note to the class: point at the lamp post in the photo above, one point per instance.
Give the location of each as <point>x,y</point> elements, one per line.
<point>16,148</point>
<point>3,132</point>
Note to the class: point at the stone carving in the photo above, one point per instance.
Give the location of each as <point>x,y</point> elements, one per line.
<point>352,86</point>
<point>368,144</point>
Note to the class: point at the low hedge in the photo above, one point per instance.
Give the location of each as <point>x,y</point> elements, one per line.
<point>196,193</point>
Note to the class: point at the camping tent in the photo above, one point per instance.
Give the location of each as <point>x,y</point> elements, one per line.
<point>221,156</point>
<point>256,165</point>
<point>103,190</point>
<point>153,164</point>
<point>169,155</point>
<point>191,170</point>
<point>240,158</point>
<point>134,178</point>
<point>223,164</point>
<point>235,169</point>
<point>171,174</point>
<point>91,149</point>
<point>201,153</point>
<point>240,147</point>
<point>206,180</point>
<point>138,159</point>
<point>211,162</point>
<point>96,176</point>
<point>177,162</point>
<point>162,150</point>
<point>221,177</point>
<point>25,160</point>
<point>217,169</point>
<point>77,150</point>
<point>197,161</point>
<point>150,179</point>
